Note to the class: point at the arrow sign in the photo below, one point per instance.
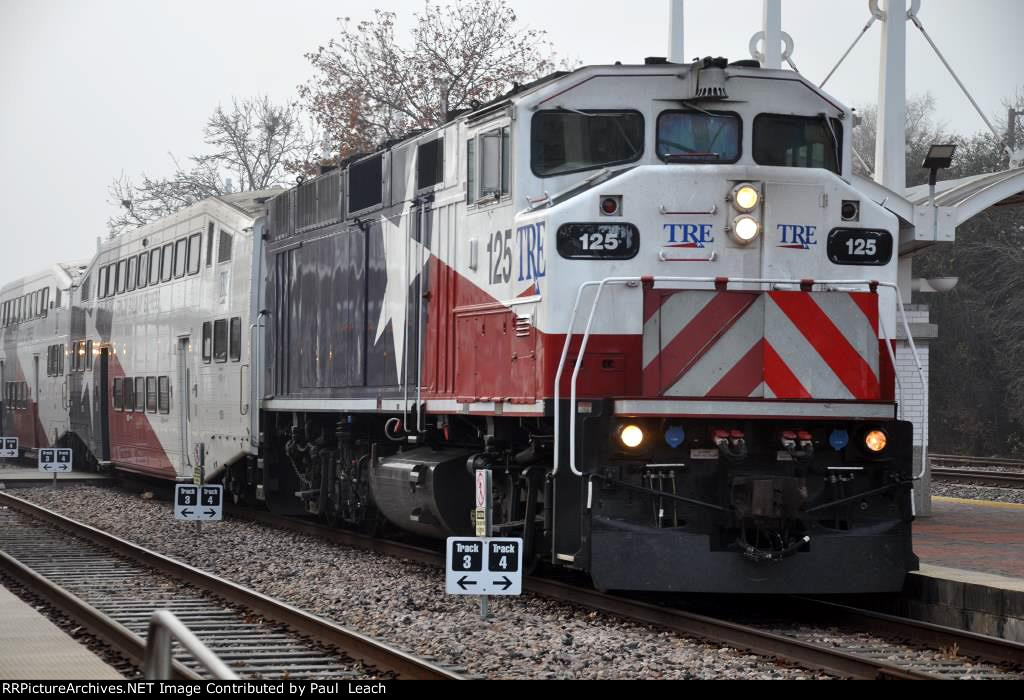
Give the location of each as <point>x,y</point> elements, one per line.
<point>187,513</point>
<point>464,581</point>
<point>210,513</point>
<point>505,583</point>
<point>201,503</point>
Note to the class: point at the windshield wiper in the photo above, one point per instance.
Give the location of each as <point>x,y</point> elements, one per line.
<point>682,157</point>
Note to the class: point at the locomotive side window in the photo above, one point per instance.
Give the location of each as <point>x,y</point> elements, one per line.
<point>235,344</point>
<point>88,355</point>
<point>365,184</point>
<point>165,394</point>
<point>180,257</point>
<point>140,394</point>
<point>598,241</point>
<point>220,340</point>
<point>798,142</point>
<point>151,394</point>
<point>167,270</point>
<point>699,137</point>
<point>224,252</point>
<point>194,253</point>
<point>209,244</point>
<point>568,142</point>
<point>487,163</point>
<point>118,389</point>
<point>207,342</point>
<point>430,164</point>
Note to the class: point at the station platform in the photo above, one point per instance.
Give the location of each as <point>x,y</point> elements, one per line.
<point>972,568</point>
<point>20,475</point>
<point>33,648</point>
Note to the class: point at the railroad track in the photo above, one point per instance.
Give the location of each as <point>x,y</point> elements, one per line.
<point>112,587</point>
<point>866,655</point>
<point>985,471</point>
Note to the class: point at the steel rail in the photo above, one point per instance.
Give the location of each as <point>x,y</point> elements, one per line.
<point>359,647</point>
<point>119,637</point>
<point>992,461</point>
<point>747,638</point>
<point>970,476</point>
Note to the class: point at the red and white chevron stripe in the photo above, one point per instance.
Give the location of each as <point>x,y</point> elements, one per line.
<point>774,345</point>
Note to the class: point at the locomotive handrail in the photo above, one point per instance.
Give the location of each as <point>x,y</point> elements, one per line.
<point>871,284</point>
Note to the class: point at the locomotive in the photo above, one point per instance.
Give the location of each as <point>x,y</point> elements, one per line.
<point>648,298</point>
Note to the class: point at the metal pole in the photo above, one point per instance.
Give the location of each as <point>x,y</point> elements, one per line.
<point>772,48</point>
<point>676,25</point>
<point>890,146</point>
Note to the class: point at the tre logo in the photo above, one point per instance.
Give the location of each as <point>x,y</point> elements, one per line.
<point>797,237</point>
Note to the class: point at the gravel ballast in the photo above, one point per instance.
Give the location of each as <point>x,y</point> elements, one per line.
<point>404,603</point>
<point>977,493</point>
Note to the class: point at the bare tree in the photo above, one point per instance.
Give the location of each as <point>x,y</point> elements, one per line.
<point>368,89</point>
<point>256,143</point>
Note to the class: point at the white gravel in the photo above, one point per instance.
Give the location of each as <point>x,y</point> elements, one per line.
<point>404,603</point>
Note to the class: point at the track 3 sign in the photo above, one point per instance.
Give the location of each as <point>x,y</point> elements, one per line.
<point>54,460</point>
<point>198,502</point>
<point>484,566</point>
<point>8,448</point>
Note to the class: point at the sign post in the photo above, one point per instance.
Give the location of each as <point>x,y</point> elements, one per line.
<point>8,448</point>
<point>53,460</point>
<point>198,503</point>
<point>483,518</point>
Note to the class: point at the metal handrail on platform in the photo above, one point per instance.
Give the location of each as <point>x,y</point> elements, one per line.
<point>164,628</point>
<point>718,282</point>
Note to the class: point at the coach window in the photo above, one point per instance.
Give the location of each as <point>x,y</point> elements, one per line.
<point>220,340</point>
<point>798,142</point>
<point>430,164</point>
<point>44,305</point>
<point>101,284</point>
<point>207,342</point>
<point>167,271</point>
<point>60,360</point>
<point>83,290</point>
<point>143,280</point>
<point>122,276</point>
<point>165,395</point>
<point>194,253</point>
<point>133,272</point>
<point>224,250</point>
<point>129,394</point>
<point>74,357</point>
<point>154,266</point>
<point>88,355</point>
<point>180,257</point>
<point>140,394</point>
<point>235,346</point>
<point>151,394</point>
<point>209,244</point>
<point>118,389</point>
<point>564,141</point>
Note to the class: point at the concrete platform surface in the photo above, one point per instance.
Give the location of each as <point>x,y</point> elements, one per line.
<point>33,648</point>
<point>982,536</point>
<point>15,475</point>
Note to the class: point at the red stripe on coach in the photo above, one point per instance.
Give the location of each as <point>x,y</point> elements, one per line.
<point>830,343</point>
<point>694,340</point>
<point>780,378</point>
<point>744,377</point>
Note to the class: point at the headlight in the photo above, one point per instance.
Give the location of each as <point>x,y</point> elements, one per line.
<point>875,441</point>
<point>631,436</point>
<point>745,229</point>
<point>746,198</point>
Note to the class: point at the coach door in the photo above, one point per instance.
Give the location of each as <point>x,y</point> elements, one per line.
<point>184,399</point>
<point>35,403</point>
<point>101,394</point>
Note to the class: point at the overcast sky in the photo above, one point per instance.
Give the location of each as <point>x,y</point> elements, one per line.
<point>93,88</point>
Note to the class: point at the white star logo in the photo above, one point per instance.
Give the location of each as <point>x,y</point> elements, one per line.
<point>405,259</point>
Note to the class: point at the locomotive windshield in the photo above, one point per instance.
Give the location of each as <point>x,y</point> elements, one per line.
<point>699,137</point>
<point>798,142</point>
<point>571,141</point>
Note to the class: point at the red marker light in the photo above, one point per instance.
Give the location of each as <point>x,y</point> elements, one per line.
<point>610,206</point>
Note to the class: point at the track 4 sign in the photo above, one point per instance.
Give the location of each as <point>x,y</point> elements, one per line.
<point>54,460</point>
<point>8,448</point>
<point>198,502</point>
<point>484,566</point>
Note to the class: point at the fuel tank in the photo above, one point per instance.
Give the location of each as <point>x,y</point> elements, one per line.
<point>425,491</point>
